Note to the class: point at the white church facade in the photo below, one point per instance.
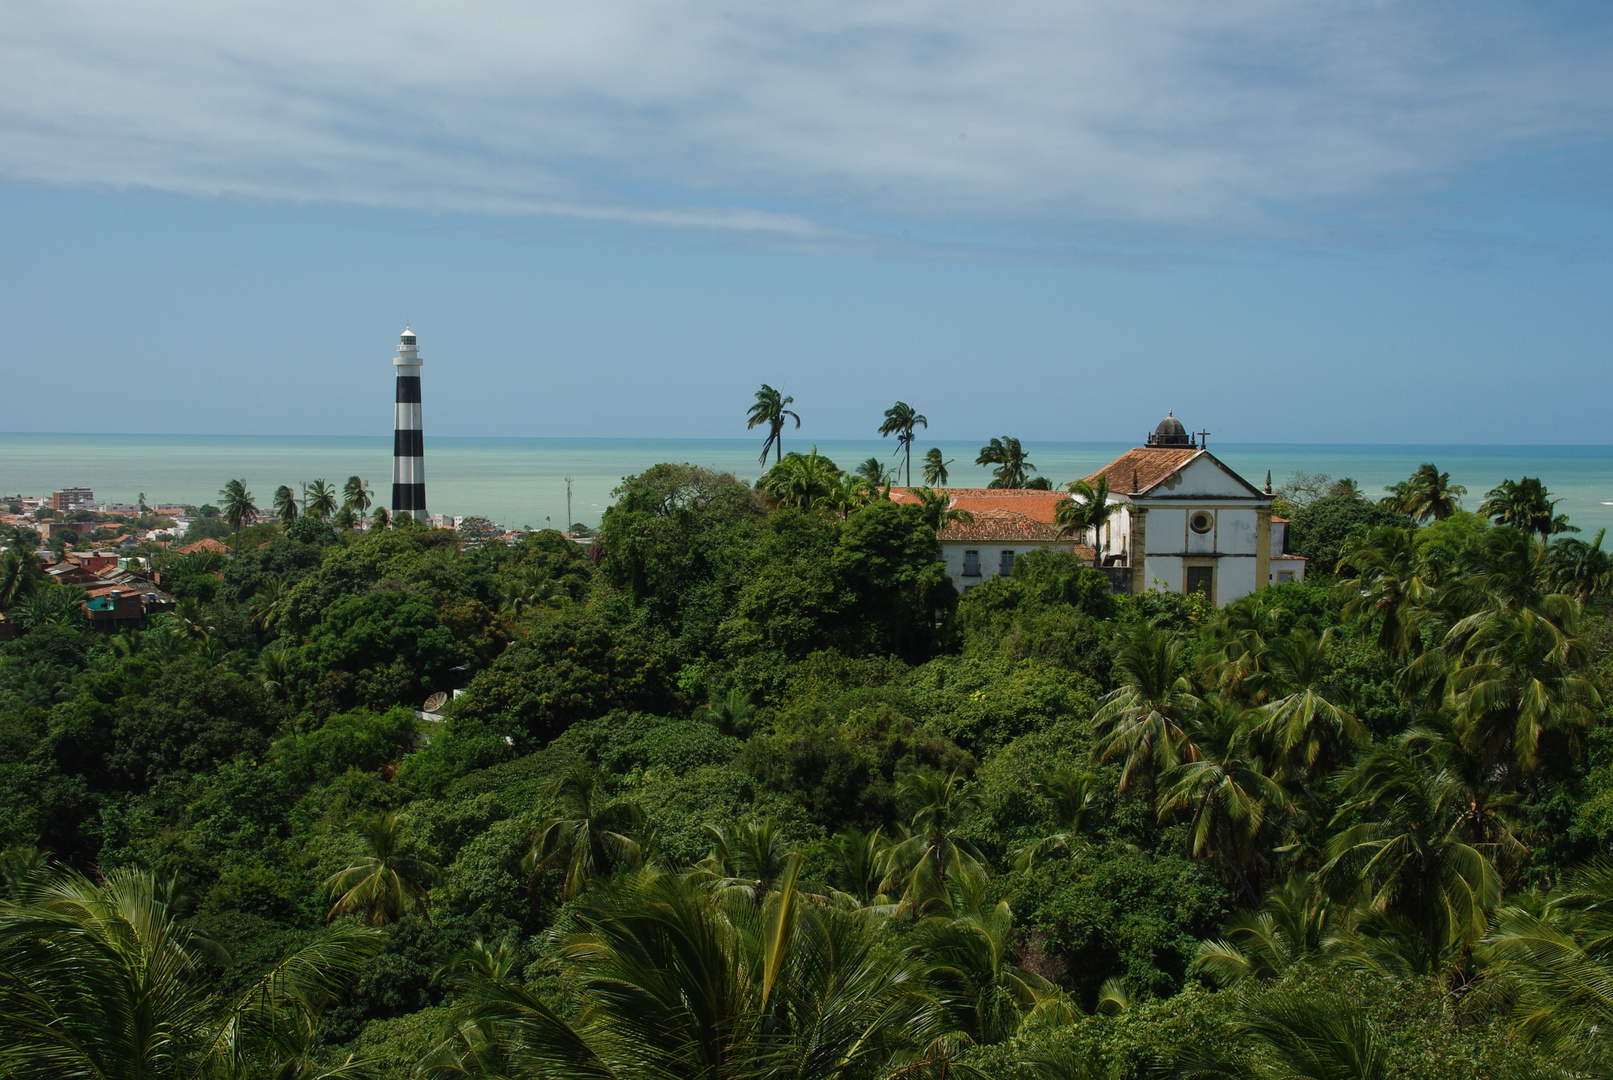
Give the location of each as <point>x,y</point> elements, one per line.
<point>1185,521</point>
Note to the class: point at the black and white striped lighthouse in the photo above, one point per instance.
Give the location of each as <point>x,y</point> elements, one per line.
<point>408,446</point>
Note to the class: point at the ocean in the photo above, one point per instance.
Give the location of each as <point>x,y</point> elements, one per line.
<point>521,482</point>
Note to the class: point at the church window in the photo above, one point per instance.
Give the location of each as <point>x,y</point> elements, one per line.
<point>1201,579</point>
<point>1201,521</point>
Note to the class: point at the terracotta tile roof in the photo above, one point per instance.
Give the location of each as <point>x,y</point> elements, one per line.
<point>1030,502</point>
<point>1005,526</point>
<point>1141,468</point>
<point>208,544</point>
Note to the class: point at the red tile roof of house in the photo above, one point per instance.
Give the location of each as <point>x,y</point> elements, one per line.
<point>207,544</point>
<point>1031,502</point>
<point>1005,526</point>
<point>1141,468</point>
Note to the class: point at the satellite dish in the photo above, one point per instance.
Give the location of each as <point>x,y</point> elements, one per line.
<point>436,701</point>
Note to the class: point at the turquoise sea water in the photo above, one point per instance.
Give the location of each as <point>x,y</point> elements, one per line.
<point>520,482</point>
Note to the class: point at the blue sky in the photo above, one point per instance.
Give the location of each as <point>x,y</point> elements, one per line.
<point>1381,222</point>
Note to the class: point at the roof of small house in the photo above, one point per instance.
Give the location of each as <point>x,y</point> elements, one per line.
<point>1006,527</point>
<point>1033,503</point>
<point>207,544</point>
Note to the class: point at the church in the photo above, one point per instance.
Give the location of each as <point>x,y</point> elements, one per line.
<point>1185,522</point>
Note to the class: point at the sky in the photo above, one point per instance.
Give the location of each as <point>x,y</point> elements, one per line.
<point>1286,221</point>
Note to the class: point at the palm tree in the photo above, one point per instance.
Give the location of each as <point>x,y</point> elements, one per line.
<point>1428,494</point>
<point>800,480</point>
<point>970,952</point>
<point>1092,511</point>
<point>749,857</point>
<point>934,855</point>
<point>900,419</point>
<point>1008,456</point>
<point>105,979</point>
<point>1071,793</point>
<point>591,837</point>
<point>380,517</point>
<point>1289,928</point>
<point>1389,588</point>
<point>357,496</point>
<point>1404,852</point>
<point>1143,719</point>
<point>1580,569</point>
<point>1301,717</point>
<point>383,886</point>
<point>858,860</point>
<point>140,501</point>
<point>678,981</point>
<point>1291,1037</point>
<point>1525,505</point>
<point>21,576</point>
<point>285,504</point>
<point>238,506</point>
<point>847,494</point>
<point>872,474</point>
<point>935,469</point>
<point>770,410</point>
<point>1229,790</point>
<point>1557,964</point>
<point>269,603</point>
<point>320,500</point>
<point>937,509</point>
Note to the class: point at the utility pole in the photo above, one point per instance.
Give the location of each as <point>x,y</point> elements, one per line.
<point>569,518</point>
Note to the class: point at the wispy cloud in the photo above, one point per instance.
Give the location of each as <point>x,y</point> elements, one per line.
<point>784,119</point>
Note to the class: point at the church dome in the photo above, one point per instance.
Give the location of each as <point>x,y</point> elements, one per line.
<point>1170,432</point>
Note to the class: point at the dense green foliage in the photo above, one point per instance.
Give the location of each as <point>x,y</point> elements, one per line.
<point>742,787</point>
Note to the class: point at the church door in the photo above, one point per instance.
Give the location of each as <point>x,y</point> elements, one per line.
<point>1201,579</point>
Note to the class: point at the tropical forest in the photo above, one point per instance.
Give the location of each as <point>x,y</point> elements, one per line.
<point>741,787</point>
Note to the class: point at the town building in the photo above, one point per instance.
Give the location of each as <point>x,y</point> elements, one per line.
<point>1285,566</point>
<point>1008,523</point>
<point>68,499</point>
<point>1185,521</point>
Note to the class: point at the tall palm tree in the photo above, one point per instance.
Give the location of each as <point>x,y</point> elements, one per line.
<point>900,419</point>
<point>384,885</point>
<point>1302,717</point>
<point>1403,851</point>
<point>934,855</point>
<point>1289,928</point>
<point>970,953</point>
<point>1527,505</point>
<point>357,496</point>
<point>1389,588</point>
<point>1292,1037</point>
<point>269,603</point>
<point>800,480</point>
<point>1143,720</point>
<point>935,468</point>
<point>770,410</point>
<point>1012,469</point>
<point>1557,965</point>
<point>238,506</point>
<point>749,857</point>
<point>285,505</point>
<point>21,576</point>
<point>1087,507</point>
<point>858,860</point>
<point>105,979</point>
<point>937,509</point>
<point>1228,788</point>
<point>678,981</point>
<point>1580,569</point>
<point>1071,793</point>
<point>847,494</point>
<point>872,474</point>
<point>1428,494</point>
<point>591,836</point>
<point>380,517</point>
<point>320,500</point>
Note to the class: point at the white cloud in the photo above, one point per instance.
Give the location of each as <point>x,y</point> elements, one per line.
<point>703,115</point>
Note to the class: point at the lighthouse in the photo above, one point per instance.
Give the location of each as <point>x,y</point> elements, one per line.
<point>408,446</point>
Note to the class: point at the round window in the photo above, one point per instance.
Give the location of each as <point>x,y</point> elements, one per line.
<point>1201,521</point>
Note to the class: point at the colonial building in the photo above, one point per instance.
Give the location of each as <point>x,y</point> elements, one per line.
<point>1185,521</point>
<point>1008,523</point>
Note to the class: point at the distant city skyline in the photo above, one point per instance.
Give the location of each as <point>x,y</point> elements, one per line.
<point>1289,223</point>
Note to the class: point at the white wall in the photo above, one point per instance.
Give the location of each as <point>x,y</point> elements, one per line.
<point>990,557</point>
